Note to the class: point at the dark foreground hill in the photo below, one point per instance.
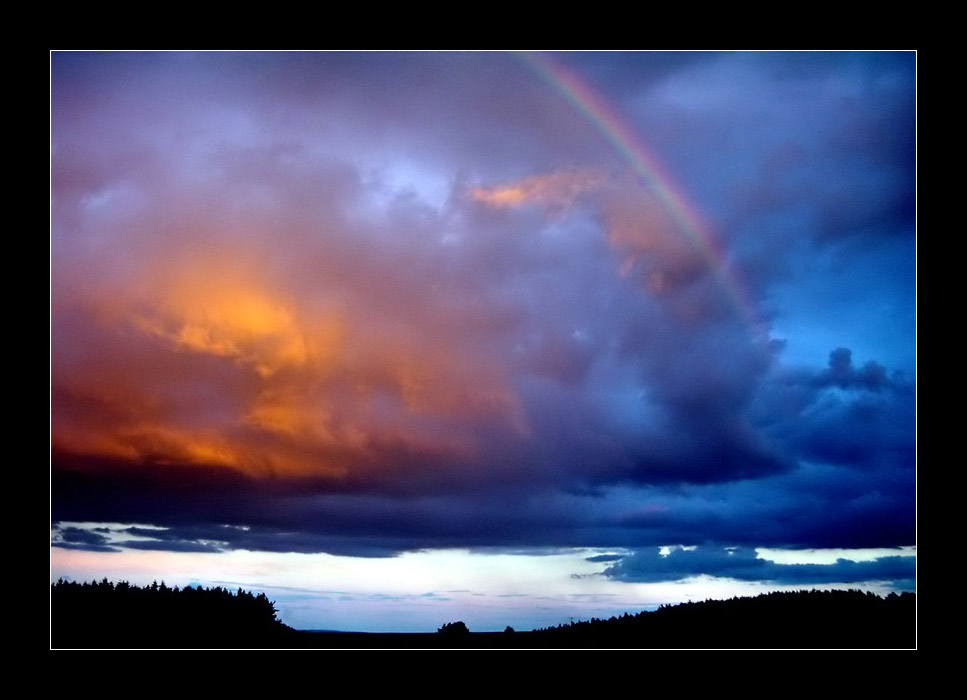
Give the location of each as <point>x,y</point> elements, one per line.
<point>105,615</point>
<point>108,616</point>
<point>794,620</point>
<point>798,620</point>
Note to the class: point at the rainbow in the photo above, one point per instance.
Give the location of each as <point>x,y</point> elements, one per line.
<point>650,173</point>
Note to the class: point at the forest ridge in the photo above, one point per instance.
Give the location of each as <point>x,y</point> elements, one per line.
<point>107,615</point>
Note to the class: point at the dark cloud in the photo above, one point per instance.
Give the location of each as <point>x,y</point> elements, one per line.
<point>872,376</point>
<point>606,557</point>
<point>859,417</point>
<point>82,538</point>
<point>651,566</point>
<point>169,545</point>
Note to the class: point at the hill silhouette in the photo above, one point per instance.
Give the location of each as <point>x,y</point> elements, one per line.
<point>795,620</point>
<point>106,615</point>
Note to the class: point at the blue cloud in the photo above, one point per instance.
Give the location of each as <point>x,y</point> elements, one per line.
<point>650,566</point>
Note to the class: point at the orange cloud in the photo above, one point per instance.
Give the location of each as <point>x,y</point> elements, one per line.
<point>558,190</point>
<point>210,362</point>
<point>654,250</point>
<point>220,314</point>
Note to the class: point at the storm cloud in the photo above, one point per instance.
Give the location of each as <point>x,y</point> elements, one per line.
<point>746,565</point>
<point>374,303</point>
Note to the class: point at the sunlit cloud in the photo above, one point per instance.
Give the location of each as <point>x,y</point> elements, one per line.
<point>557,191</point>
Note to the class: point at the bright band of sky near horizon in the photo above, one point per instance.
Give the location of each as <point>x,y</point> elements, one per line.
<point>417,591</point>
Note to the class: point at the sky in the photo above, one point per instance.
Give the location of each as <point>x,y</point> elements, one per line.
<point>510,338</point>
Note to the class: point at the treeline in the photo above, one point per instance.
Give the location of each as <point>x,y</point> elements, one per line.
<point>108,615</point>
<point>850,619</point>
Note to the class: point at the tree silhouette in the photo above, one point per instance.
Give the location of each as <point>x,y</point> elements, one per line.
<point>454,629</point>
<point>124,616</point>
